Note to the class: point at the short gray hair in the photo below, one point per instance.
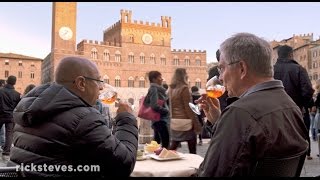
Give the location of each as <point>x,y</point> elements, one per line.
<point>255,51</point>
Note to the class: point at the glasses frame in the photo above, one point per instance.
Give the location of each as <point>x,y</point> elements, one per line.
<point>229,64</point>
<point>98,80</point>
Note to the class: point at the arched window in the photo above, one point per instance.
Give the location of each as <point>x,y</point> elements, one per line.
<point>152,59</point>
<point>176,61</point>
<point>163,60</point>
<point>198,83</point>
<point>131,82</point>
<point>106,55</point>
<point>117,82</point>
<point>94,53</point>
<point>187,61</point>
<point>6,73</point>
<point>6,62</point>
<point>142,58</point>
<point>142,82</point>
<point>117,56</point>
<point>162,41</point>
<point>106,79</point>
<point>131,57</point>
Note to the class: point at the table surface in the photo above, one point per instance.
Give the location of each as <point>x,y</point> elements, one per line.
<point>184,167</point>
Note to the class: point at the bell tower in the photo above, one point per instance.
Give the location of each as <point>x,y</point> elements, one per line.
<point>63,37</point>
<point>64,16</point>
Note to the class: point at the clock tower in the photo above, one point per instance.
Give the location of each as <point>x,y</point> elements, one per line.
<point>63,37</point>
<point>64,16</point>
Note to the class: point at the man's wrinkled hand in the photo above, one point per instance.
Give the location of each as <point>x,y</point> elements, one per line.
<point>210,106</point>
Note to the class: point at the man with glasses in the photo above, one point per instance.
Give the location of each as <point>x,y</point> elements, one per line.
<point>263,122</point>
<point>57,125</point>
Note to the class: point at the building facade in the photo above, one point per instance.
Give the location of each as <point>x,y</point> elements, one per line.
<point>129,49</point>
<point>27,69</point>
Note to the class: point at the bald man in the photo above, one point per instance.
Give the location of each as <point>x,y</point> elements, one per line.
<point>57,125</point>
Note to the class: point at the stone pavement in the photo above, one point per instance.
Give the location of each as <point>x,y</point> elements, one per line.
<point>311,167</point>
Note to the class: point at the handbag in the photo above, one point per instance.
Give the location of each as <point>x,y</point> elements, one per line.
<point>147,113</point>
<point>181,124</point>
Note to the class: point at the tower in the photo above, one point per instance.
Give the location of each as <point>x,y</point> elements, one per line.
<point>63,37</point>
<point>64,27</point>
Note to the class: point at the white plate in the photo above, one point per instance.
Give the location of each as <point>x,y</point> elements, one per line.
<point>156,157</point>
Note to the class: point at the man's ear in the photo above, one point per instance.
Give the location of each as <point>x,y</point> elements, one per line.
<point>80,83</point>
<point>243,69</point>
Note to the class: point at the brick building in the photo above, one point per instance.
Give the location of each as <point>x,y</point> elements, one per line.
<point>27,69</point>
<point>128,50</point>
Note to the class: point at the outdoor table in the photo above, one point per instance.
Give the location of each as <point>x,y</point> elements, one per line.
<point>184,167</point>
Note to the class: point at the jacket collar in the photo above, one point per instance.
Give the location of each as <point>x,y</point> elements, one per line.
<point>9,86</point>
<point>283,60</point>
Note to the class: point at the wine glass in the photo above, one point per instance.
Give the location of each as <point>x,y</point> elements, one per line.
<point>214,89</point>
<point>108,95</point>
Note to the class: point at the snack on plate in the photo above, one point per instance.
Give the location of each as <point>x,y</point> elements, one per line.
<point>158,151</point>
<point>168,154</point>
<point>150,148</point>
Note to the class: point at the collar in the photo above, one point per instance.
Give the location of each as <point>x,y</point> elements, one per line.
<point>263,86</point>
<point>9,86</point>
<point>283,60</point>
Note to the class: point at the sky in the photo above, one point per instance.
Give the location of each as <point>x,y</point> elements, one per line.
<point>25,27</point>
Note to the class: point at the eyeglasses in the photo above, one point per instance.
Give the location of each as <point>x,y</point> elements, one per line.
<point>221,69</point>
<point>98,80</point>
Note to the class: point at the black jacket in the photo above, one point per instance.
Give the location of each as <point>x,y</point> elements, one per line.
<point>56,127</point>
<point>295,80</point>
<point>9,98</point>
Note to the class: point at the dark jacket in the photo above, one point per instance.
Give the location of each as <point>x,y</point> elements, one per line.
<point>56,127</point>
<point>156,92</point>
<point>9,98</point>
<point>295,80</point>
<point>265,123</point>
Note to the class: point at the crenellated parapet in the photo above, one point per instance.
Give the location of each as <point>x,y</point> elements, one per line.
<point>81,44</point>
<point>126,18</point>
<point>303,35</point>
<point>166,21</point>
<point>114,26</point>
<point>189,51</point>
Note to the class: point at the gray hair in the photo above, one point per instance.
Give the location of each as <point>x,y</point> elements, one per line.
<point>254,51</point>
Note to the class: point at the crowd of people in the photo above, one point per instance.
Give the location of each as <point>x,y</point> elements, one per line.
<point>266,112</point>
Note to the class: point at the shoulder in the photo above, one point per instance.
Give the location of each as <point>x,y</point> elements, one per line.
<point>152,89</point>
<point>84,116</point>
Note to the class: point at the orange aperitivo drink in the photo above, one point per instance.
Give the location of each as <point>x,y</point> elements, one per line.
<point>215,92</point>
